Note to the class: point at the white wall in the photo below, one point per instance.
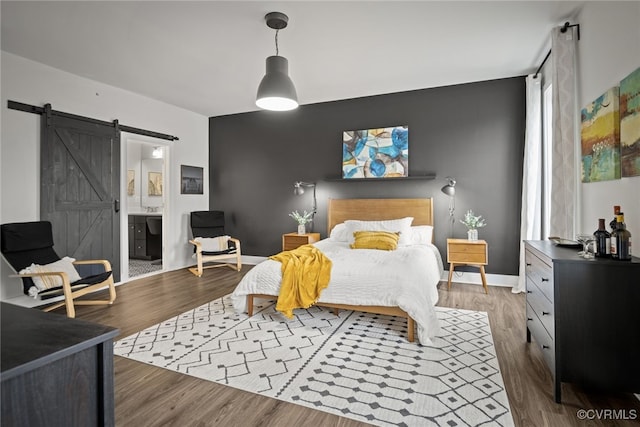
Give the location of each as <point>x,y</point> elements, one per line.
<point>32,83</point>
<point>134,163</point>
<point>609,49</point>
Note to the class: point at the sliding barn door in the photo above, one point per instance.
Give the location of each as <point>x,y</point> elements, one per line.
<point>80,186</point>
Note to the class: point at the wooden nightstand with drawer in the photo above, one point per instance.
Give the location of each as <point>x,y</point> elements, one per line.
<point>467,252</point>
<point>291,241</point>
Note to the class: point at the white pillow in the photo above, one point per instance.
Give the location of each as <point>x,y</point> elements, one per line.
<point>402,226</point>
<point>421,235</point>
<point>65,265</point>
<point>213,244</point>
<point>340,233</point>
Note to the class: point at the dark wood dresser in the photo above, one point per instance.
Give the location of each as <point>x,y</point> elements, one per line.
<point>56,371</point>
<point>145,237</point>
<point>585,316</point>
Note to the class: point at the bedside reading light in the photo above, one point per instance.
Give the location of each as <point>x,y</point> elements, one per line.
<point>450,190</point>
<point>298,190</point>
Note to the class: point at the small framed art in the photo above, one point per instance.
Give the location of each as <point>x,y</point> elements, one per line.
<point>131,182</point>
<point>191,180</point>
<point>155,184</point>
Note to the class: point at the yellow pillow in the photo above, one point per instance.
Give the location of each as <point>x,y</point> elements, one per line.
<point>383,240</point>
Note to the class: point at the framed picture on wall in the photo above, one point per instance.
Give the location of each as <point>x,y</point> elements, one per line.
<point>600,138</point>
<point>630,124</point>
<point>155,184</point>
<point>191,180</point>
<point>375,153</point>
<point>131,182</point>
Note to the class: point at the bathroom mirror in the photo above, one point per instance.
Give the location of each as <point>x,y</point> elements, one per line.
<point>145,179</point>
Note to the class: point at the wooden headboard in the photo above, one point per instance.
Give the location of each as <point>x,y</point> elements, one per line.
<point>341,210</point>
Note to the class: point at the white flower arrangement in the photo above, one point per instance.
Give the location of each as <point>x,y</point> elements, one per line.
<point>473,222</point>
<point>302,219</point>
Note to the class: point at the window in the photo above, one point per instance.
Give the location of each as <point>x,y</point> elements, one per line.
<point>547,149</point>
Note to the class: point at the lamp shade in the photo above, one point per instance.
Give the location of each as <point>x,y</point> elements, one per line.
<point>298,190</point>
<point>298,187</point>
<point>276,91</point>
<point>449,190</point>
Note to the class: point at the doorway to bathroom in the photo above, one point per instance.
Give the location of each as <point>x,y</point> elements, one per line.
<point>146,202</point>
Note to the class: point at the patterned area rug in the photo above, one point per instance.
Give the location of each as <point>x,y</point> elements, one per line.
<point>356,365</point>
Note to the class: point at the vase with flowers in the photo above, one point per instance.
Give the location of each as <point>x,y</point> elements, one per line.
<point>302,220</point>
<point>473,222</point>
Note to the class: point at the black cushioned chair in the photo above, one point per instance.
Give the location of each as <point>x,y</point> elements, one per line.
<point>26,243</point>
<point>207,224</point>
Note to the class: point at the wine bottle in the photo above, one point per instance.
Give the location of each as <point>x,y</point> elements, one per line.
<point>621,241</point>
<point>616,211</point>
<point>603,240</point>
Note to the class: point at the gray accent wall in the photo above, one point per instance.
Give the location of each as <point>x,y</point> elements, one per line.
<point>473,132</point>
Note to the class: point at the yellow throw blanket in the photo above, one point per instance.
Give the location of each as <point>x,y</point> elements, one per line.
<point>305,273</point>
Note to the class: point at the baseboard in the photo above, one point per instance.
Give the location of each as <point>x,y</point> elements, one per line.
<point>30,302</point>
<point>475,278</point>
<point>253,260</point>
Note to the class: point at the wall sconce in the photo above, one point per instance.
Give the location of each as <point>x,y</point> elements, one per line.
<point>450,190</point>
<point>298,190</point>
<point>157,153</point>
<point>276,91</point>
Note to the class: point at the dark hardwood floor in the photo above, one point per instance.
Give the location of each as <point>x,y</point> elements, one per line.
<point>151,396</point>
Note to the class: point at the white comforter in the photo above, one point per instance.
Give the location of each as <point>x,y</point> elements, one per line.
<point>406,277</point>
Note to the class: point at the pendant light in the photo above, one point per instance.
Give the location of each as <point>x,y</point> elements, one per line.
<point>276,91</point>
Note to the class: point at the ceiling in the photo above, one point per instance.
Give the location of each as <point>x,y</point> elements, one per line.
<point>209,56</point>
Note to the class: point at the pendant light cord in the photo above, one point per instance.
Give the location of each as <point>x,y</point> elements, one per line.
<point>277,51</point>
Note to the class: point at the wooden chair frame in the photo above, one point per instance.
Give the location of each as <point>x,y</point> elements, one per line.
<point>70,294</point>
<point>203,258</point>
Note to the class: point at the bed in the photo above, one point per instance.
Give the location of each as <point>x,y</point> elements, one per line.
<point>402,282</point>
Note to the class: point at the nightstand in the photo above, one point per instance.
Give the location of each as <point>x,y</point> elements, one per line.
<point>291,241</point>
<point>467,252</point>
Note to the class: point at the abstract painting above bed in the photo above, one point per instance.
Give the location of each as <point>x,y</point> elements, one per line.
<point>376,153</point>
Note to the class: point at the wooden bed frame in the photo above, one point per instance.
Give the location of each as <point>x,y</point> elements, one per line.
<point>340,210</point>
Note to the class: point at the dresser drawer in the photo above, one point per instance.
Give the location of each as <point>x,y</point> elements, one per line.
<point>292,241</point>
<point>466,258</point>
<point>138,219</point>
<point>466,253</point>
<point>542,307</point>
<point>542,338</point>
<point>540,274</point>
<point>140,231</point>
<point>140,247</point>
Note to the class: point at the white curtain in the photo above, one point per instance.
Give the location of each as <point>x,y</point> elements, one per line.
<point>564,179</point>
<point>530,219</point>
